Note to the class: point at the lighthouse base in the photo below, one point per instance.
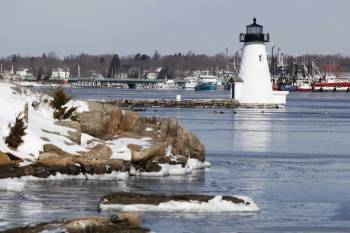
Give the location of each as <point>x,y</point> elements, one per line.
<point>280,97</point>
<point>279,101</point>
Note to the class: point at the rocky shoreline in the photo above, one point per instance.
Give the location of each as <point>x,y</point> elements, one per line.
<point>168,143</point>
<point>123,223</point>
<point>142,104</point>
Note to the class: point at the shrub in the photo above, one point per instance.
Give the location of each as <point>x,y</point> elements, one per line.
<point>17,131</point>
<point>60,99</point>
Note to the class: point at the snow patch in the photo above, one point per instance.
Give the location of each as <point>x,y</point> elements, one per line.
<point>214,205</point>
<point>82,106</point>
<point>120,147</point>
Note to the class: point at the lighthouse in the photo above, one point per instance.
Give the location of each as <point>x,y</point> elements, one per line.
<point>255,87</point>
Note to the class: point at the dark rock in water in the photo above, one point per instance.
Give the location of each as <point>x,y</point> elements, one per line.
<point>123,223</point>
<point>125,198</point>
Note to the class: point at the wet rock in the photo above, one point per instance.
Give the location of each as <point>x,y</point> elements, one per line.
<point>152,166</point>
<point>123,223</point>
<point>126,198</point>
<point>132,218</point>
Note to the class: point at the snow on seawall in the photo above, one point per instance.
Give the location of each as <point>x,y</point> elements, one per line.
<point>214,205</point>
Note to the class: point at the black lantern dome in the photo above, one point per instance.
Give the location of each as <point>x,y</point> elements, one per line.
<point>254,33</point>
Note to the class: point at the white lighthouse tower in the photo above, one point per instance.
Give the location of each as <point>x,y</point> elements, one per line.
<point>256,88</point>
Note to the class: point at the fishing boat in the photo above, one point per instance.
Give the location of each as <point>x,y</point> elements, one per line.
<point>207,83</point>
<point>332,83</point>
<point>190,83</point>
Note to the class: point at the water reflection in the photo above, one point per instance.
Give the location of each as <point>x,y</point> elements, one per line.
<point>252,131</point>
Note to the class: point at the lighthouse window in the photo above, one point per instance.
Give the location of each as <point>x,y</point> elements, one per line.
<point>260,57</point>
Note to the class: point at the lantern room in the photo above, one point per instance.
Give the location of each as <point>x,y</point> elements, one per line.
<point>254,33</point>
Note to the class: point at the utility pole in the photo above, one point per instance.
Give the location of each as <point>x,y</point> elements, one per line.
<point>272,61</point>
<point>78,71</point>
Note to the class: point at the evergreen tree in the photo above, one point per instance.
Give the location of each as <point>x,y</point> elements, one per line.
<point>17,131</point>
<point>114,66</point>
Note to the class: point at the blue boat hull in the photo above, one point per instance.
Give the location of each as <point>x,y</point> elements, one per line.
<point>206,87</point>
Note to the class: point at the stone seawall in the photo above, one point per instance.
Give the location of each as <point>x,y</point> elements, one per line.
<point>138,104</point>
<point>200,103</point>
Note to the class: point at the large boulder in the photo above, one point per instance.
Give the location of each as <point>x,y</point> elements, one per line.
<point>47,155</point>
<point>156,150</point>
<point>99,152</point>
<point>112,126</point>
<point>129,121</point>
<point>92,123</point>
<point>50,148</point>
<point>4,159</point>
<point>101,121</point>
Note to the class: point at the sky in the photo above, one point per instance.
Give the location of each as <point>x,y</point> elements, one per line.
<point>126,27</point>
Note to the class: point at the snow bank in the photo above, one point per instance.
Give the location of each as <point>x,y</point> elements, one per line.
<point>41,128</point>
<point>82,106</point>
<point>12,185</point>
<point>214,205</point>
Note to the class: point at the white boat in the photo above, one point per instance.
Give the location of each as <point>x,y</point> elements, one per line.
<point>166,85</point>
<point>190,83</point>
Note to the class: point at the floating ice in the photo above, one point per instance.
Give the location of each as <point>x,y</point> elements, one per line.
<point>12,185</point>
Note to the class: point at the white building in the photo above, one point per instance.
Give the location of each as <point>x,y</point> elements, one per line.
<point>152,76</point>
<point>22,74</point>
<point>256,87</point>
<point>60,73</point>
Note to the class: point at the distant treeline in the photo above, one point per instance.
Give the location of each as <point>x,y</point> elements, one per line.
<point>110,65</point>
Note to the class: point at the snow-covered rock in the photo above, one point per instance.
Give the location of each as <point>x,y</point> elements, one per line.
<point>137,202</point>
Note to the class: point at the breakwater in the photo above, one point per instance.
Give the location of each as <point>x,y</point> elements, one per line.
<point>194,103</point>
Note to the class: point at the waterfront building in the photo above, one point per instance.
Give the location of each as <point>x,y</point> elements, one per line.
<point>60,73</point>
<point>24,74</point>
<point>256,86</point>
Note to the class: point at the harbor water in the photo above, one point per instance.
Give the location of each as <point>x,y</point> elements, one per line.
<point>294,163</point>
